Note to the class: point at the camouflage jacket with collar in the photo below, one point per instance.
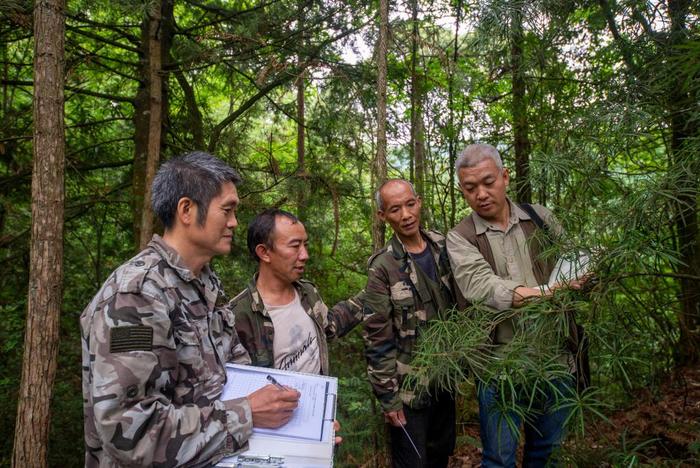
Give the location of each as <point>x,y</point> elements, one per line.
<point>397,304</point>
<point>257,334</point>
<point>155,339</point>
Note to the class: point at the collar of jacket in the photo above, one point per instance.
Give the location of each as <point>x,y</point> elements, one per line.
<point>398,250</point>
<point>175,261</point>
<point>517,214</point>
<point>257,304</point>
<point>206,283</point>
<point>435,241</point>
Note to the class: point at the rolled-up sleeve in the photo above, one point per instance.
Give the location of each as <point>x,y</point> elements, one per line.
<point>476,279</point>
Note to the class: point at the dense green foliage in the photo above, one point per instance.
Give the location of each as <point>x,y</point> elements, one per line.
<point>612,95</point>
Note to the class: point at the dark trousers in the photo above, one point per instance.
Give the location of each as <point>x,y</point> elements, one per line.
<point>432,430</point>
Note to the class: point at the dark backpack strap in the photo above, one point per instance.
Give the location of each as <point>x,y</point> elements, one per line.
<point>534,216</point>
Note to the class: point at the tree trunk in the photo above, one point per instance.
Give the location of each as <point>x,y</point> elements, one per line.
<point>138,174</point>
<point>46,246</point>
<point>682,107</point>
<point>685,130</point>
<point>417,128</point>
<point>150,113</point>
<point>521,139</point>
<point>453,132</point>
<point>301,121</point>
<point>379,167</point>
<point>155,120</point>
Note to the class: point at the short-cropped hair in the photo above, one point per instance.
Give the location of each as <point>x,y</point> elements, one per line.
<point>198,176</point>
<point>378,194</point>
<point>261,229</point>
<point>474,154</point>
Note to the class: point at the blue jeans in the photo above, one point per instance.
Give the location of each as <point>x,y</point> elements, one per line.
<point>544,427</point>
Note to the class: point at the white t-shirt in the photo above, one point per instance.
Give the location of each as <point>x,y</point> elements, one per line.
<point>295,345</point>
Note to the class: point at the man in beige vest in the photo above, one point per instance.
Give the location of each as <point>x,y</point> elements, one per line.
<point>494,262</point>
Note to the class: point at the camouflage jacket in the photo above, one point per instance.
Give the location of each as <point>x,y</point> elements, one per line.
<point>254,325</point>
<point>395,309</point>
<point>155,339</point>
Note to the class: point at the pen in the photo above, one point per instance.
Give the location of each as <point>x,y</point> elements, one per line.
<point>274,382</point>
<point>410,440</point>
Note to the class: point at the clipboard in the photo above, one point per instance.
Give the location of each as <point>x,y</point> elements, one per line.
<point>307,440</point>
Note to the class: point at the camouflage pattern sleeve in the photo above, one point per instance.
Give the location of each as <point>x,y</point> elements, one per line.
<point>378,334</point>
<point>133,393</point>
<point>239,355</point>
<point>344,316</point>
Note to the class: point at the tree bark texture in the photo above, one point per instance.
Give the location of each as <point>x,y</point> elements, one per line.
<point>380,163</point>
<point>150,113</point>
<point>521,138</point>
<point>155,119</point>
<point>46,245</point>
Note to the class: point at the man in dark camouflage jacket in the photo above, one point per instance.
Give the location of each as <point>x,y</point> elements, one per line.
<point>409,283</point>
<point>157,335</point>
<point>280,318</point>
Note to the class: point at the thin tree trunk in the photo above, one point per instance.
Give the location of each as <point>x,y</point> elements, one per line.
<point>46,245</point>
<point>685,128</point>
<point>155,120</point>
<point>379,167</point>
<point>417,128</point>
<point>301,120</point>
<point>453,132</point>
<point>141,121</point>
<point>521,139</point>
<point>682,106</point>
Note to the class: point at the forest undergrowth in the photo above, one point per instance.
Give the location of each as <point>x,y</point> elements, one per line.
<point>658,428</point>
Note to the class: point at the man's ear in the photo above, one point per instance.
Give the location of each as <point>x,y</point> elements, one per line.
<point>381,215</point>
<point>186,212</point>
<point>263,253</point>
<point>506,176</point>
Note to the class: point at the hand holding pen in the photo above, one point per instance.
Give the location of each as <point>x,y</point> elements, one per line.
<point>274,382</point>
<point>336,424</point>
<point>273,405</point>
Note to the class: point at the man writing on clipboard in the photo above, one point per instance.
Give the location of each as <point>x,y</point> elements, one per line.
<point>281,318</point>
<point>157,334</point>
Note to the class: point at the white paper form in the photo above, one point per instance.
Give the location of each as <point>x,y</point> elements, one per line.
<point>569,267</point>
<point>308,419</point>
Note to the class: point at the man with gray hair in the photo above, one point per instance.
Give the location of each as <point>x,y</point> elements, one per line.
<point>496,259</point>
<point>156,337</point>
